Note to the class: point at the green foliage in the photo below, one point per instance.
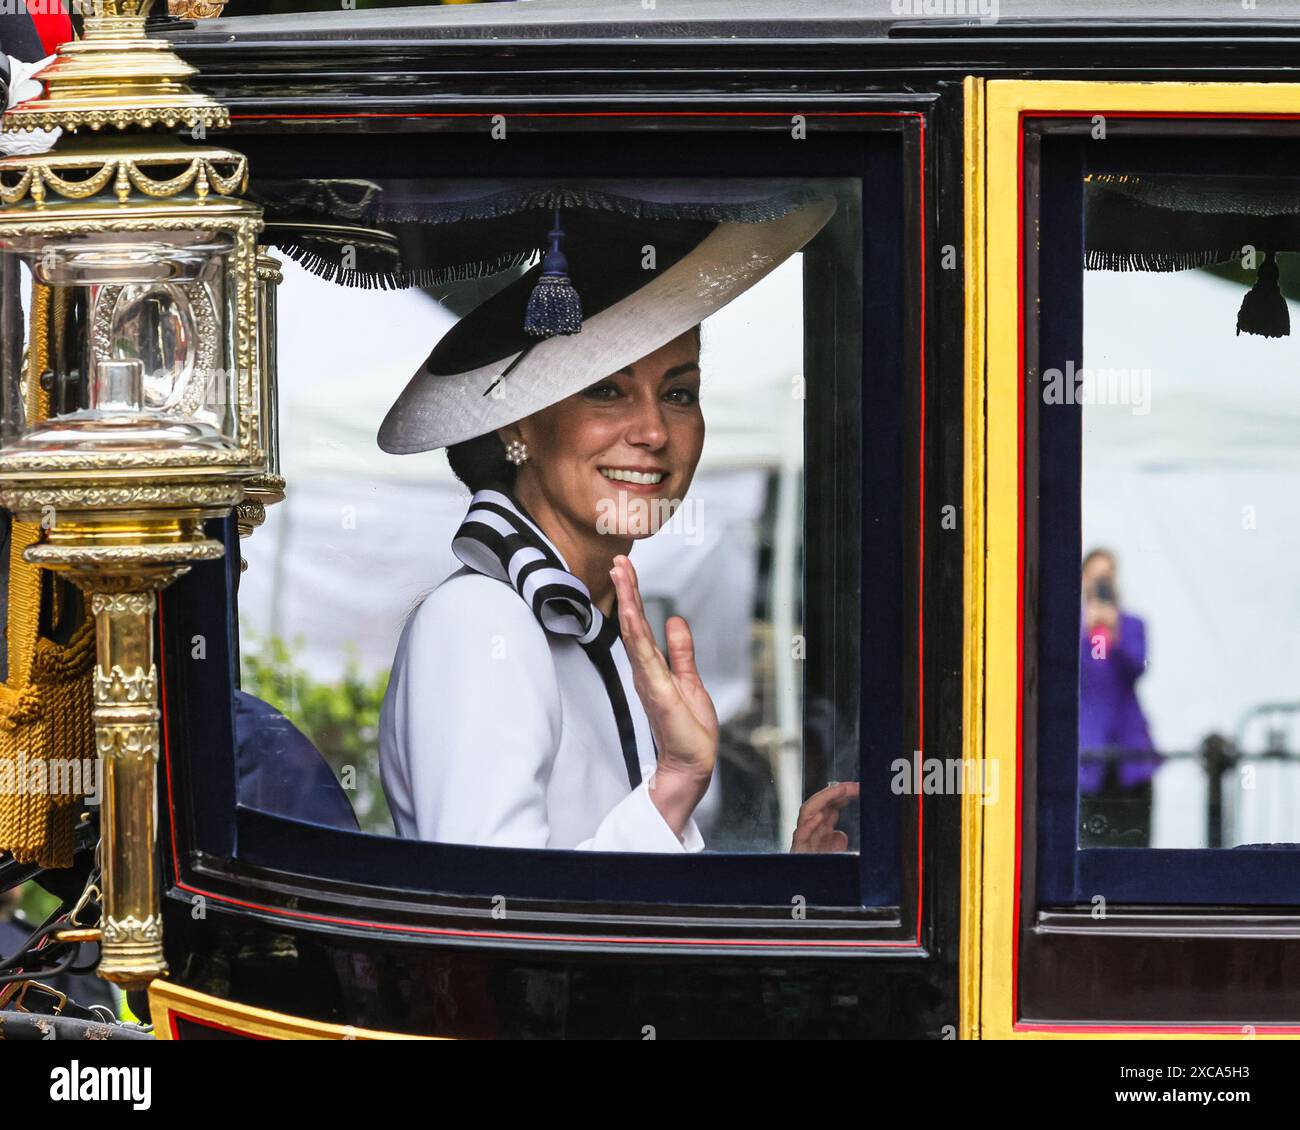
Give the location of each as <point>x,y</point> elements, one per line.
<point>36,903</point>
<point>341,719</point>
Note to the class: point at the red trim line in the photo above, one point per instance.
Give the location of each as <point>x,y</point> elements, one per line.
<point>173,1015</point>
<point>1161,1029</point>
<point>1192,115</point>
<point>52,27</point>
<point>618,939</point>
<point>1016,1024</point>
<point>1020,549</point>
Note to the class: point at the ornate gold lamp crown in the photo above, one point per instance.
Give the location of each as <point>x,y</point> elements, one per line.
<point>117,76</point>
<point>139,403</point>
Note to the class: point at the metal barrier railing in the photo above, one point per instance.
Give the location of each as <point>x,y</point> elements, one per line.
<point>1218,756</point>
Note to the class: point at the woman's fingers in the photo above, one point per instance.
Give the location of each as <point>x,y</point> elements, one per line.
<point>681,644</point>
<point>833,796</point>
<point>647,661</point>
<point>679,710</point>
<point>810,828</point>
<point>802,840</point>
<point>816,828</point>
<point>636,582</point>
<point>631,616</point>
<point>820,837</point>
<point>625,562</point>
<point>818,834</point>
<point>681,648</point>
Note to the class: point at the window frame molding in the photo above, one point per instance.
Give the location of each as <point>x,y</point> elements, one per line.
<point>902,931</point>
<point>1011,931</point>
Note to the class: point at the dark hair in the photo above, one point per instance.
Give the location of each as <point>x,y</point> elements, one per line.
<point>1100,551</point>
<point>482,462</point>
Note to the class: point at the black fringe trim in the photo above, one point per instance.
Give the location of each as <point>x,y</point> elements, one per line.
<point>332,270</point>
<point>1095,260</point>
<point>508,202</point>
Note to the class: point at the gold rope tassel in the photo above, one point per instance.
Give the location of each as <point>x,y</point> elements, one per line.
<point>47,744</point>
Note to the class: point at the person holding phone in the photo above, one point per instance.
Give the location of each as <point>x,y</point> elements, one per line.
<point>1117,757</point>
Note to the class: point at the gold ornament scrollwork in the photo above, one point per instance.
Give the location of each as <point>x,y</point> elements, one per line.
<point>209,117</point>
<point>127,741</point>
<point>132,930</point>
<point>121,603</point>
<point>120,688</point>
<point>121,497</point>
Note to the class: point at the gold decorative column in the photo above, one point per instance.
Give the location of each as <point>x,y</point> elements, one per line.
<point>265,490</point>
<point>126,739</point>
<point>155,364</point>
<point>122,566</point>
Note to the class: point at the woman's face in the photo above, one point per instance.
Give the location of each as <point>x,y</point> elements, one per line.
<point>619,456</point>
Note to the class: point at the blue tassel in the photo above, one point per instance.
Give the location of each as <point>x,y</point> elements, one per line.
<point>554,306</point>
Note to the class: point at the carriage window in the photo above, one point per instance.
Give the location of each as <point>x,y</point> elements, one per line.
<point>483,420</point>
<point>1189,669</point>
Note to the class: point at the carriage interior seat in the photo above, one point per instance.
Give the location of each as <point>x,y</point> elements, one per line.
<point>282,772</point>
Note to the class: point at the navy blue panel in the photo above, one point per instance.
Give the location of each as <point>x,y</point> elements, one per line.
<point>887,662</point>
<point>1242,876</point>
<point>1059,517</point>
<point>196,646</point>
<point>563,876</point>
<point>1067,875</point>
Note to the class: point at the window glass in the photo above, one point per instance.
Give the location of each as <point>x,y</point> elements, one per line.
<point>1189,688</point>
<point>418,658</point>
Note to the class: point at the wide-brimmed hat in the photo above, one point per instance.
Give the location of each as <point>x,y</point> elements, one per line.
<point>612,288</point>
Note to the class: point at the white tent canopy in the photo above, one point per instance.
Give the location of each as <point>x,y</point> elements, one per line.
<point>1199,497</point>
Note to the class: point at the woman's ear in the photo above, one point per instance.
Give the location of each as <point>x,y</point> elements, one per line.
<point>509,434</point>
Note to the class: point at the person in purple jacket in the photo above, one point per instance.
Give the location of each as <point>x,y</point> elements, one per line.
<point>1117,757</point>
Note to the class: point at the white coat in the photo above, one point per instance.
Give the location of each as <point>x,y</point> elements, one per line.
<point>498,731</point>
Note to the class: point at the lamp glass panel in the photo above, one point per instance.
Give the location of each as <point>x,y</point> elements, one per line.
<point>163,303</point>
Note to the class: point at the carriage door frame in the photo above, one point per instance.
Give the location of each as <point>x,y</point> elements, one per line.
<point>997,914</point>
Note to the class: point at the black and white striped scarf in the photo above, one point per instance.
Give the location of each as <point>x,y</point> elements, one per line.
<point>499,540</point>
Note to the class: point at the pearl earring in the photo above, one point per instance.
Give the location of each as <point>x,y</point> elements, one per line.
<point>517,452</point>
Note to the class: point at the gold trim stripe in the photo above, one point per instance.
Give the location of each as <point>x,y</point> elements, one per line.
<point>973,560</point>
<point>166,999</point>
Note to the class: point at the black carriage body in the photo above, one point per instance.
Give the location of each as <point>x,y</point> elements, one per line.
<point>317,940</point>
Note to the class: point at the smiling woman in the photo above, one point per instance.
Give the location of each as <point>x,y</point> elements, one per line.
<point>530,705</point>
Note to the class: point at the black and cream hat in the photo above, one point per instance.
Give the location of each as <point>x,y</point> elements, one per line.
<point>614,284</point>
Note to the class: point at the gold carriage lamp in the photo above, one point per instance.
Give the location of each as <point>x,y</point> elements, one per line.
<point>137,405</point>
